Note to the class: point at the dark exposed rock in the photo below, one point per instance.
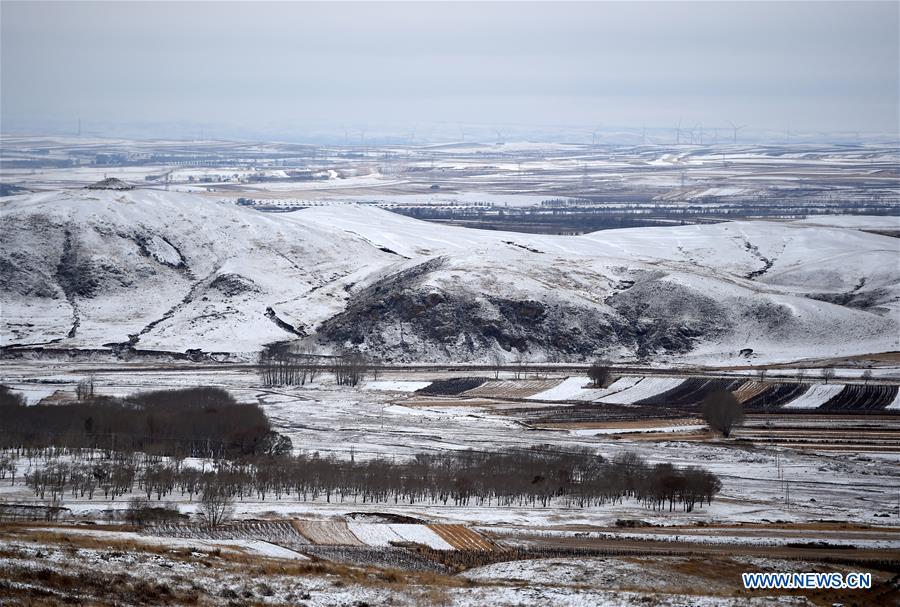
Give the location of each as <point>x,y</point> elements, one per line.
<point>863,300</point>
<point>75,273</point>
<point>663,316</point>
<point>230,285</point>
<point>110,183</point>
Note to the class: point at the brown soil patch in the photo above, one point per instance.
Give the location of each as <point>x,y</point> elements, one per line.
<point>327,533</point>
<point>461,537</point>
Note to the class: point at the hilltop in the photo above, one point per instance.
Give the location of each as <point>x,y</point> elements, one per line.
<point>159,270</point>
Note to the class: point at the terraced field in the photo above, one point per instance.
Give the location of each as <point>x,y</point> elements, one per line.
<point>574,389</point>
<point>775,396</point>
<point>276,532</point>
<point>368,556</point>
<point>375,534</point>
<point>301,534</point>
<point>421,534</point>
<point>862,397</point>
<point>462,538</point>
<point>512,388</point>
<point>453,386</point>
<point>642,390</point>
<point>816,396</point>
<point>823,432</point>
<point>327,533</point>
<point>591,413</point>
<point>750,389</point>
<point>689,394</point>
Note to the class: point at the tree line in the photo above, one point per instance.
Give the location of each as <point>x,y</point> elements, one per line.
<point>517,478</point>
<point>193,422</point>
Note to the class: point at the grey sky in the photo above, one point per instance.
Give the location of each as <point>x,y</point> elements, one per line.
<point>264,67</point>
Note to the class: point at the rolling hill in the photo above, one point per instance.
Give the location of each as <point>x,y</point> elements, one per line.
<point>154,270</point>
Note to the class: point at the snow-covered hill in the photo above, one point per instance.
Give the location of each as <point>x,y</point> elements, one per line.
<point>168,271</point>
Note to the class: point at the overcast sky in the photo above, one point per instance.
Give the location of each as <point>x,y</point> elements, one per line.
<point>253,67</point>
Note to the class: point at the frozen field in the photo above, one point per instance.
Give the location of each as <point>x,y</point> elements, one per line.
<point>330,420</point>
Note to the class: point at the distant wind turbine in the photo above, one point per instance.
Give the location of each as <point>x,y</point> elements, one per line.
<point>594,134</point>
<point>678,133</point>
<point>736,129</point>
<point>499,136</point>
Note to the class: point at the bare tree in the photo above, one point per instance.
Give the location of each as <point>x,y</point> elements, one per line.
<point>216,502</point>
<point>867,376</point>
<point>722,411</point>
<point>85,389</point>
<point>761,373</point>
<point>599,372</point>
<point>828,373</point>
<point>497,361</point>
<point>519,366</point>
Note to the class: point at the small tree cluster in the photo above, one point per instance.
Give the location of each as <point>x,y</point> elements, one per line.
<point>349,368</point>
<point>599,372</point>
<point>282,365</point>
<point>85,389</point>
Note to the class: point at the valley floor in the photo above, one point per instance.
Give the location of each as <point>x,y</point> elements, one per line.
<point>783,507</point>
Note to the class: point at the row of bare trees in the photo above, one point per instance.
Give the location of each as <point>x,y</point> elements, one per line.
<point>282,365</point>
<point>526,477</point>
<point>285,365</point>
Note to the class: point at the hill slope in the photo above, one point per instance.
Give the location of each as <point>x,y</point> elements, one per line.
<point>168,271</point>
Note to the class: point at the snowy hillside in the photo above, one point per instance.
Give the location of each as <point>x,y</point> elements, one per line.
<point>168,271</point>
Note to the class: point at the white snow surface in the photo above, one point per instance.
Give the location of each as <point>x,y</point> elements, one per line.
<point>895,404</point>
<point>816,396</point>
<point>645,388</point>
<point>379,535</point>
<point>396,385</point>
<point>177,271</point>
<point>573,388</point>
<point>421,535</point>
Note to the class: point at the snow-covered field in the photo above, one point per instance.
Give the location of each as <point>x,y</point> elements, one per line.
<point>645,388</point>
<point>366,423</point>
<point>575,388</point>
<point>815,396</point>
